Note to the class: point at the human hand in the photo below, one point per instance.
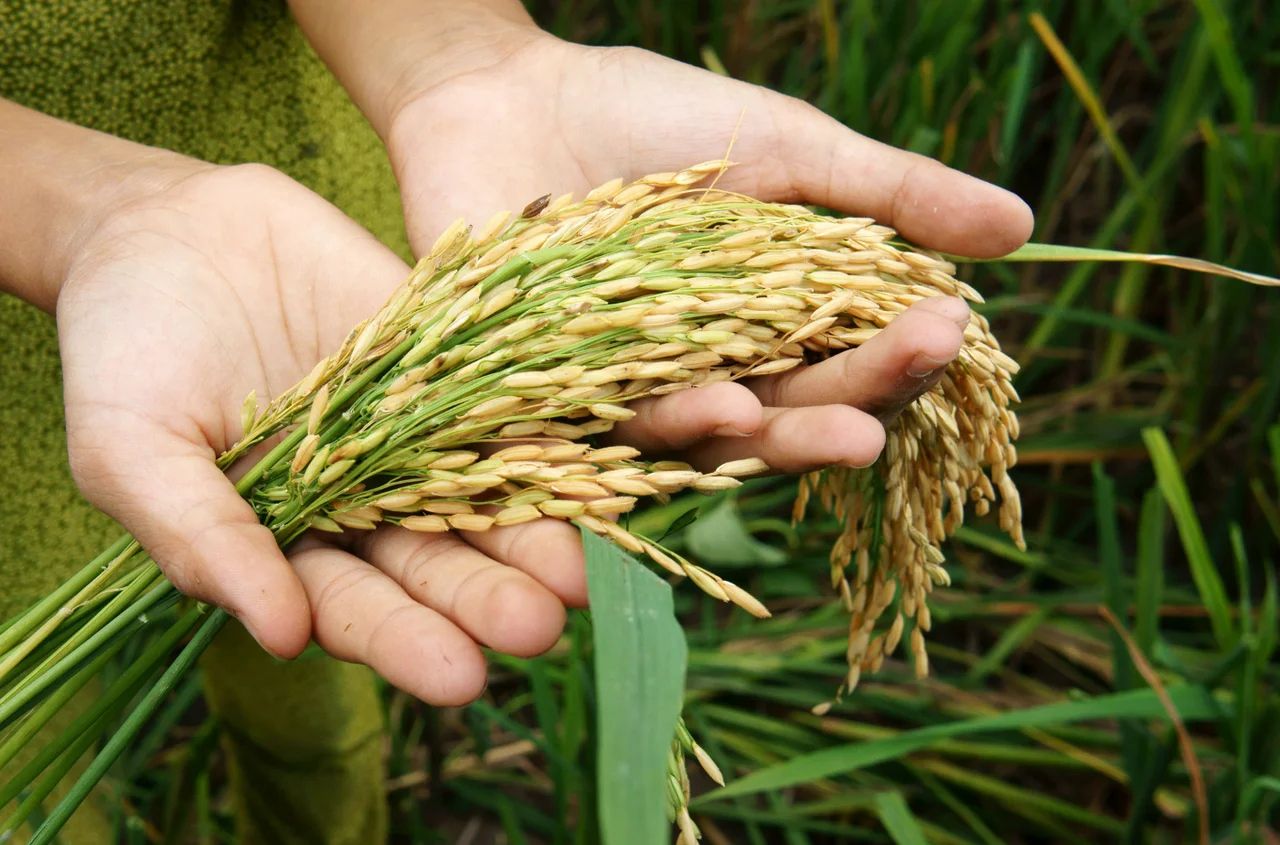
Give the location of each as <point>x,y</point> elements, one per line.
<point>524,114</point>
<point>180,303</point>
<point>529,114</point>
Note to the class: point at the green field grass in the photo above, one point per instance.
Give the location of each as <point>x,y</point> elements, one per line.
<point>1150,472</point>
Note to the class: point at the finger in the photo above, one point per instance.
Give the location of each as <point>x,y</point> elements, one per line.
<point>169,494</point>
<point>678,420</point>
<point>499,606</point>
<point>548,550</point>
<point>929,203</point>
<point>953,308</point>
<point>883,375</point>
<point>360,615</point>
<point>796,440</point>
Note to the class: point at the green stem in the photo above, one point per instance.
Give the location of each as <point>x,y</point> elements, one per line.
<point>112,610</point>
<point>56,606</point>
<point>22,617</point>
<point>42,716</point>
<point>33,687</point>
<point>23,635</point>
<point>132,725</point>
<point>119,692</point>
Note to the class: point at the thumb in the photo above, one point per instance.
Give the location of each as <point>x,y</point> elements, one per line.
<point>168,492</point>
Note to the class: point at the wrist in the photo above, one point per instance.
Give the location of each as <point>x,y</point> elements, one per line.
<point>467,48</point>
<point>62,183</point>
<point>389,54</point>
<point>472,85</point>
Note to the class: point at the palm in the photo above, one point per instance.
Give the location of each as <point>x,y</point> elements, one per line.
<point>235,280</point>
<point>477,160</point>
<point>554,117</point>
<point>240,280</point>
<point>211,305</point>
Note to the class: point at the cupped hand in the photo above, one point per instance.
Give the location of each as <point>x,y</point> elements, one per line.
<point>525,114</point>
<point>528,114</point>
<point>184,300</point>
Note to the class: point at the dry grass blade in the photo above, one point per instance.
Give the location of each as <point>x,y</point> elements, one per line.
<point>1188,749</point>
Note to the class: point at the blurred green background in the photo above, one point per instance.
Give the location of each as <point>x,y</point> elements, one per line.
<point>1150,476</point>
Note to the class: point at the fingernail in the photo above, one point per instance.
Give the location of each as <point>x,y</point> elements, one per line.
<point>925,365</point>
<point>856,465</point>
<point>728,430</point>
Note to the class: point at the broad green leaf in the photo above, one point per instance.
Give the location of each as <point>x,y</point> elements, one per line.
<point>1269,618</point>
<point>896,817</point>
<point>719,538</point>
<point>511,822</point>
<point>1194,703</point>
<point>1016,99</point>
<point>1258,787</point>
<point>1226,55</point>
<point>640,656</point>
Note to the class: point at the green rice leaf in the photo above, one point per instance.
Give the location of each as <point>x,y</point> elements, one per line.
<point>1010,640</point>
<point>1076,254</point>
<point>640,657</point>
<point>1150,580</point>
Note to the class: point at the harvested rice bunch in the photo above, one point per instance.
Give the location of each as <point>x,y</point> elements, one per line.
<point>471,398</point>
<point>542,327</point>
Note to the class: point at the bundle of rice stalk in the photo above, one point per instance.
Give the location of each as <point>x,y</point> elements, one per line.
<point>482,383</point>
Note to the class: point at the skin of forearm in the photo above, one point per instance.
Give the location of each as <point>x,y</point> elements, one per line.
<point>383,51</point>
<point>60,181</point>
